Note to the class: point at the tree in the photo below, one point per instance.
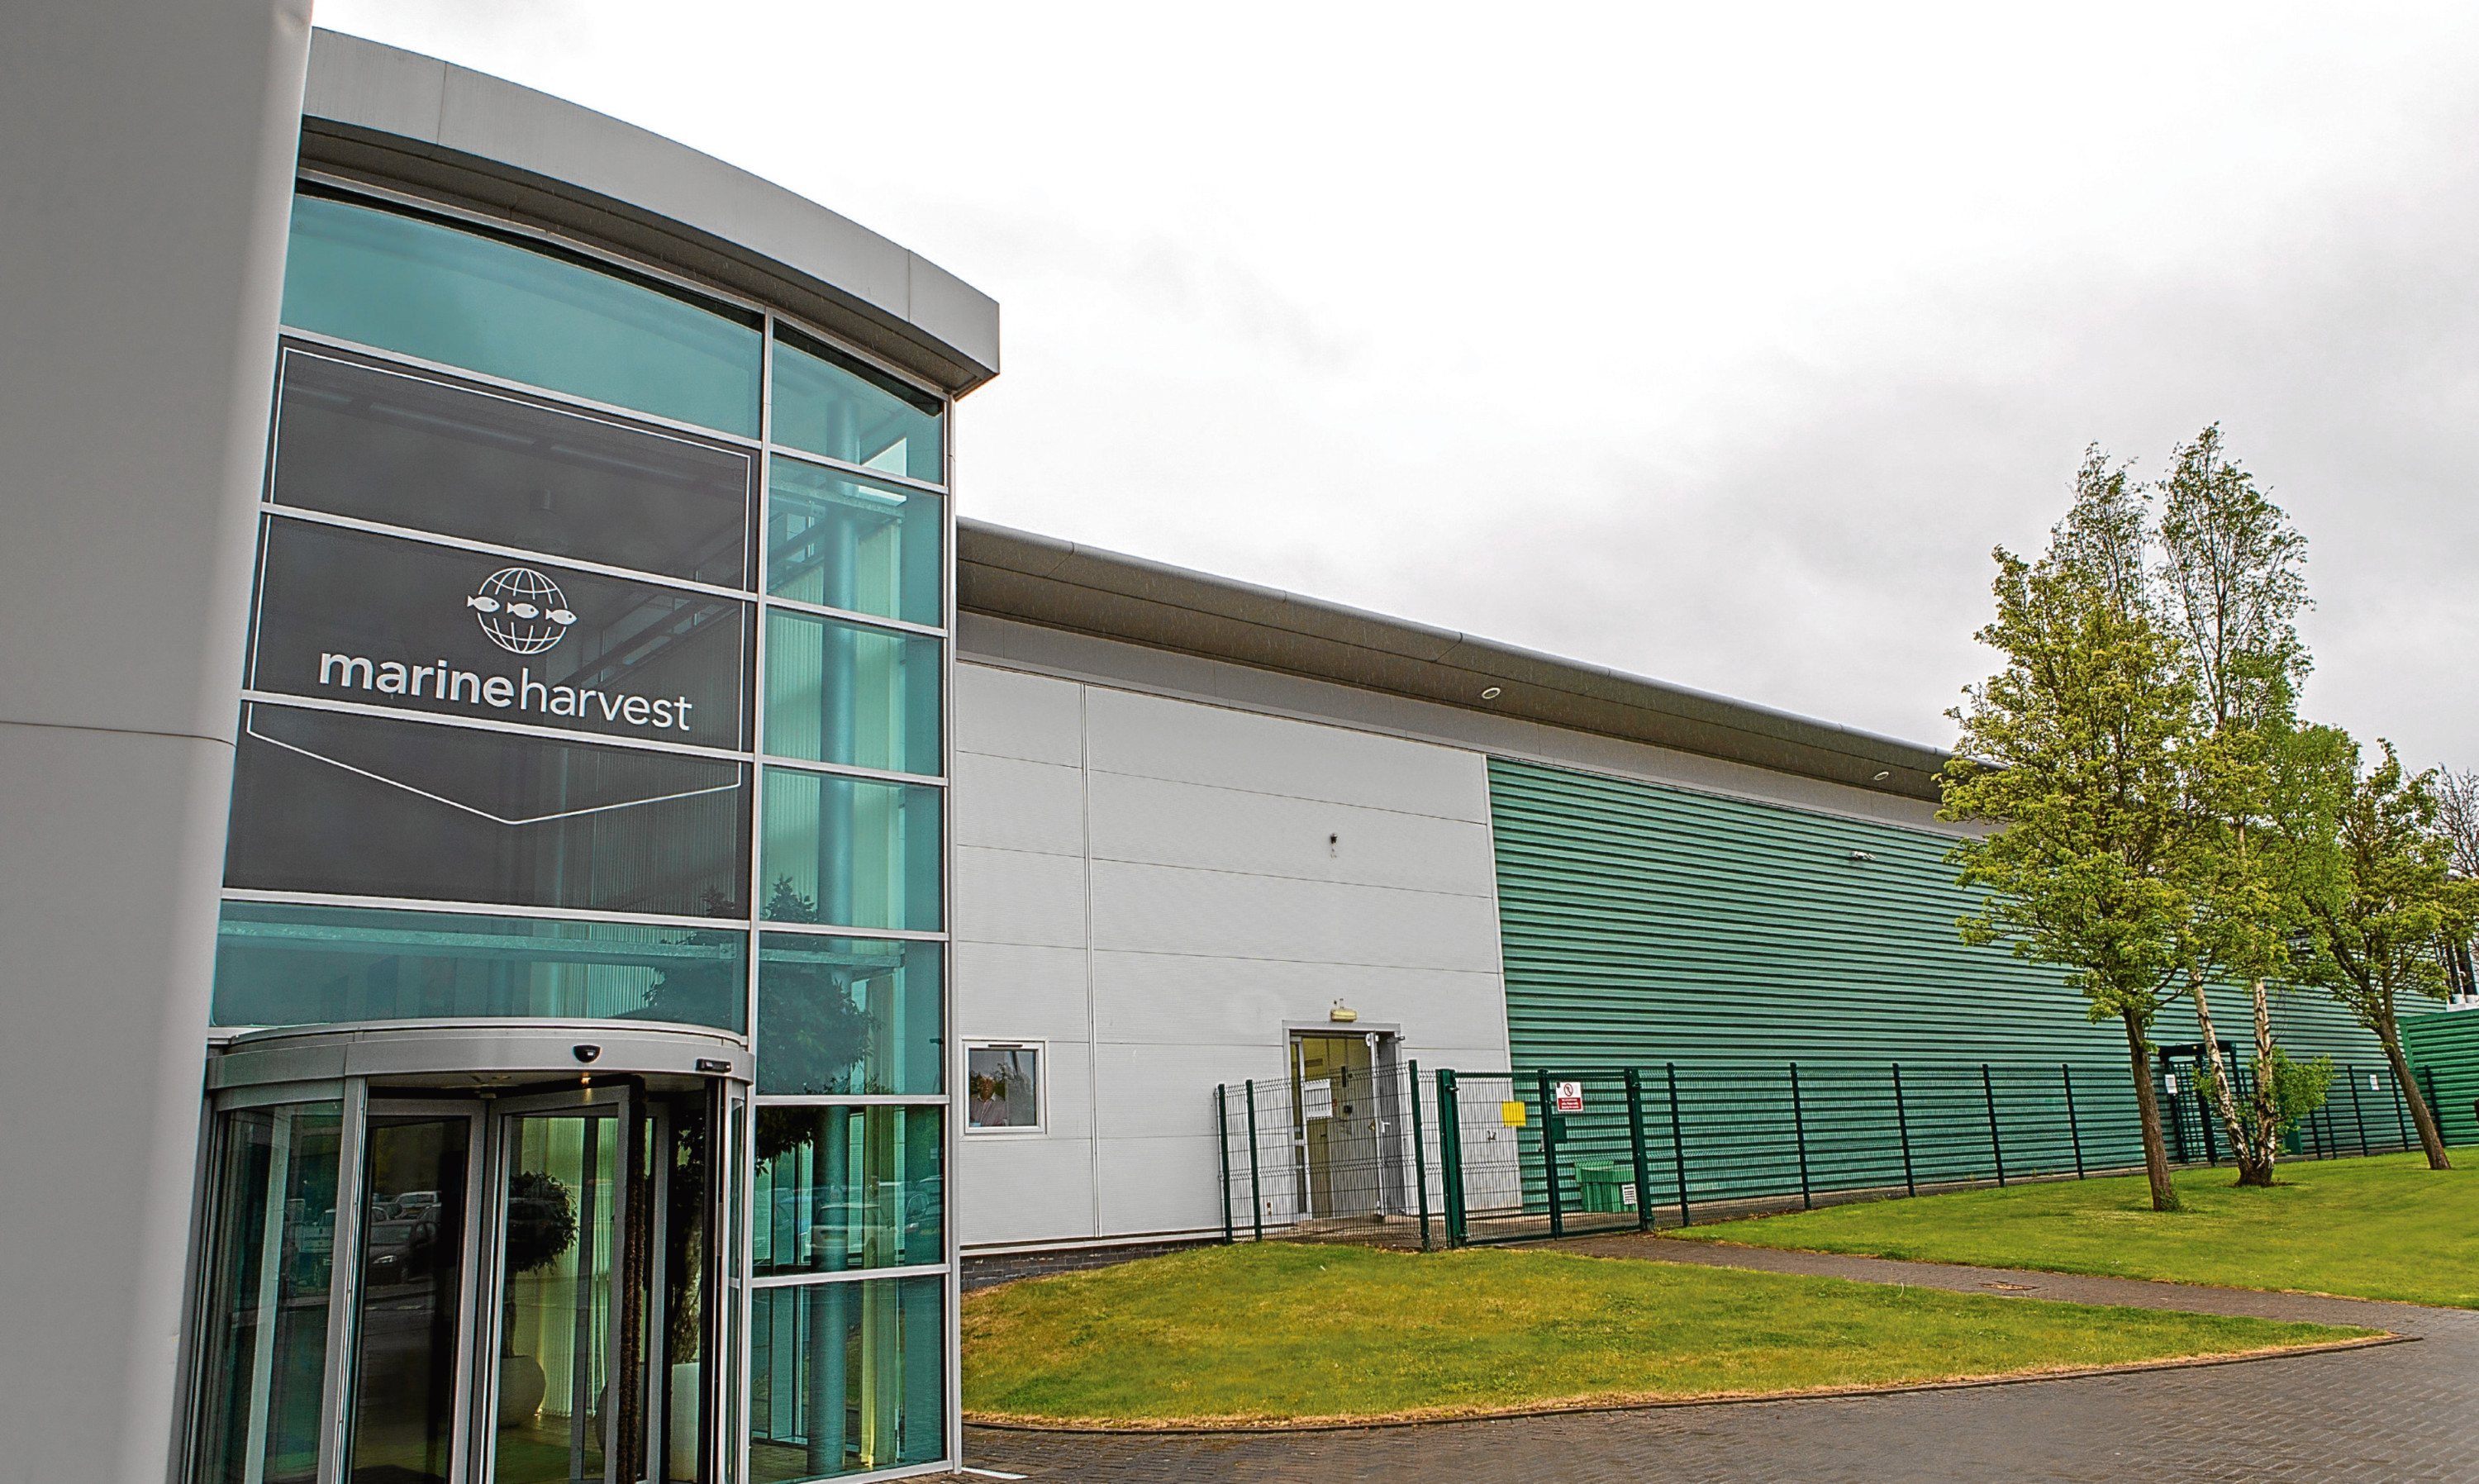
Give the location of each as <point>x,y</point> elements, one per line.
<point>2457,821</point>
<point>2230,584</point>
<point>2380,894</point>
<point>2074,752</point>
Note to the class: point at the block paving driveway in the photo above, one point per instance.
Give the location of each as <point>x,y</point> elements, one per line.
<point>2394,1412</point>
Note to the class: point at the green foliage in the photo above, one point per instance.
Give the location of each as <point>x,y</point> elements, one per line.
<point>2074,751</point>
<point>542,1221</point>
<point>2385,1227</point>
<point>2232,585</point>
<point>2375,879</point>
<point>2130,760</point>
<point>2294,1090</point>
<point>1284,1333</point>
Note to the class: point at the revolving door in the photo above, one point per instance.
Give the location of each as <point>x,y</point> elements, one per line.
<point>463,1278</point>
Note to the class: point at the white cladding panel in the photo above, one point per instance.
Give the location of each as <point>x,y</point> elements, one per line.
<point>1045,811</point>
<point>1001,713</point>
<point>1157,822</point>
<point>1018,896</point>
<point>1154,737</point>
<point>1240,874</point>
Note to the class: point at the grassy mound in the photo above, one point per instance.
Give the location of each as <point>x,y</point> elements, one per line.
<point>1291,1334</point>
<point>2387,1227</point>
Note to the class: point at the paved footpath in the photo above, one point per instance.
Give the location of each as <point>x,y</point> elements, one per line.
<point>2395,1412</point>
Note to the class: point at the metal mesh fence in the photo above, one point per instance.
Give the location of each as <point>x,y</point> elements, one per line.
<point>1483,1156</point>
<point>1354,1150</point>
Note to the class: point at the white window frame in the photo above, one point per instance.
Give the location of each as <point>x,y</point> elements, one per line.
<point>1041,1050</point>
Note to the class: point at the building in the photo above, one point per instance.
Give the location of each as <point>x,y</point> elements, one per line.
<point>560,900</point>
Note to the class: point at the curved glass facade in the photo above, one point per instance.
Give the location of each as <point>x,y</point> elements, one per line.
<point>597,623</point>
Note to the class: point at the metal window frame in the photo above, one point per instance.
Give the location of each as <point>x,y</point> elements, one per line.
<point>738,1106</point>
<point>1039,1046</point>
<point>309,515</point>
<point>460,213</point>
<point>819,1280</point>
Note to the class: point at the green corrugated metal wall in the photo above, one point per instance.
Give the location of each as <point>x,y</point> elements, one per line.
<point>1644,924</point>
<point>2444,1049</point>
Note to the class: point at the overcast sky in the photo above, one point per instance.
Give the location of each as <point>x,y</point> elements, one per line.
<point>1714,344</point>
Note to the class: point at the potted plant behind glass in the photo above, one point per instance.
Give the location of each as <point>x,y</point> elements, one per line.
<point>542,1225</point>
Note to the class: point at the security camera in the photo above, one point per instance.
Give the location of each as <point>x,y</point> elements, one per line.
<point>585,1053</point>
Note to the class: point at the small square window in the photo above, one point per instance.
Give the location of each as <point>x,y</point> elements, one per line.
<point>1003,1087</point>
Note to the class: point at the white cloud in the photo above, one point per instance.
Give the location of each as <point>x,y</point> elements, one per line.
<point>1714,343</point>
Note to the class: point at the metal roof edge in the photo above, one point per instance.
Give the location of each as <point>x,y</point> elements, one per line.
<point>400,119</point>
<point>1010,574</point>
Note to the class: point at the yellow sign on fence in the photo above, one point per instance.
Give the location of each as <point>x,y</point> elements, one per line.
<point>1511,1114</point>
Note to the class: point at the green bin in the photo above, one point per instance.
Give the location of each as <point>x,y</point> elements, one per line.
<point>1601,1185</point>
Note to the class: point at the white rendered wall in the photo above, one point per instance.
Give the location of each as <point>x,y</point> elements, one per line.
<point>143,184</point>
<point>1145,886</point>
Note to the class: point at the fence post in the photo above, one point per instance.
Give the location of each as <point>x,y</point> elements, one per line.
<point>2401,1114</point>
<point>2358,1113</point>
<point>1903,1123</point>
<point>1996,1147</point>
<point>1549,1153</point>
<point>1678,1142</point>
<point>1635,1142</point>
<point>1256,1196</point>
<point>2434,1109</point>
<point>1450,1155</point>
<point>1420,1158</point>
<point>1222,1129</point>
<point>1798,1127</point>
<point>2072,1127</point>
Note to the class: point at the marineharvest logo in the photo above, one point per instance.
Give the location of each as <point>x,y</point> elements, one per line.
<point>525,613</point>
<point>522,611</point>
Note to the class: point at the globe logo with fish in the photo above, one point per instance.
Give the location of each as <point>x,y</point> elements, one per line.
<point>521,611</point>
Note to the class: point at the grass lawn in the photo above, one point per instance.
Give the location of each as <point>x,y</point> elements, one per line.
<point>1284,1333</point>
<point>2387,1227</point>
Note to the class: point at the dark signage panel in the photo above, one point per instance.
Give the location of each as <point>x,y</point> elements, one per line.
<point>354,616</point>
<point>363,806</point>
<point>401,448</point>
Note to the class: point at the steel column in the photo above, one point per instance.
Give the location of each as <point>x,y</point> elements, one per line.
<point>1799,1128</point>
<point>1635,1143</point>
<point>1996,1145</point>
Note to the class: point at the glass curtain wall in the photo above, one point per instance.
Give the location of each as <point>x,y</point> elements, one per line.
<point>600,620</point>
<point>850,1281</point>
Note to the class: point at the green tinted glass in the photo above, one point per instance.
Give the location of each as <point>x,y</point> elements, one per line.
<point>849,852</point>
<point>269,1271</point>
<point>851,544</point>
<point>318,965</point>
<point>536,316</point>
<point>845,1188</point>
<point>866,698</point>
<point>828,402</point>
<point>845,1377</point>
<point>842,1017</point>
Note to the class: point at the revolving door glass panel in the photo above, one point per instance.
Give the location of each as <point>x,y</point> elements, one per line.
<point>561,1201</point>
<point>517,1294</point>
<point>264,1344</point>
<point>409,1322</point>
